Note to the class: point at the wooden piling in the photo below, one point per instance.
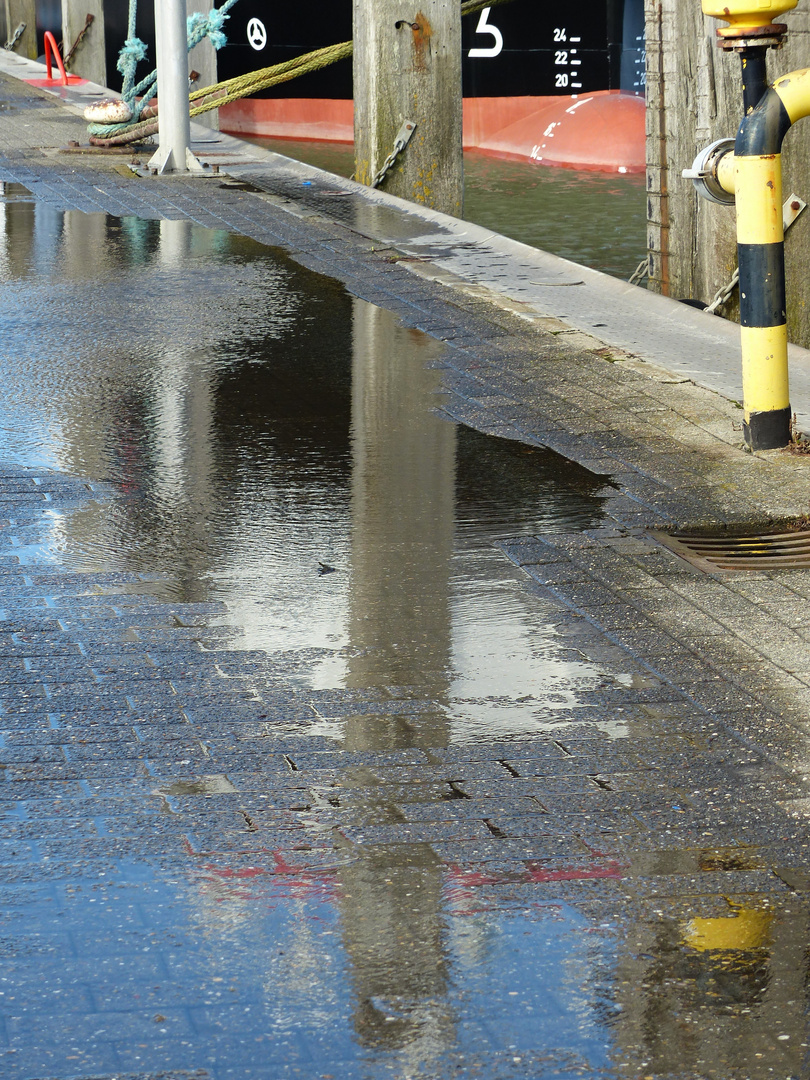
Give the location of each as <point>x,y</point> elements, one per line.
<point>203,60</point>
<point>22,11</point>
<point>694,96</point>
<point>407,66</point>
<point>89,59</point>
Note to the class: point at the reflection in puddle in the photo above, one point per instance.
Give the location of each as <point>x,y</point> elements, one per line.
<point>390,906</point>
<point>206,785</point>
<point>258,424</point>
<point>720,995</point>
<point>743,929</point>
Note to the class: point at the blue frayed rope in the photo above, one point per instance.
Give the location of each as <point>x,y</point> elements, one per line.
<point>198,27</point>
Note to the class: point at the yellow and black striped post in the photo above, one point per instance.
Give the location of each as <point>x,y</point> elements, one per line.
<point>761,254</point>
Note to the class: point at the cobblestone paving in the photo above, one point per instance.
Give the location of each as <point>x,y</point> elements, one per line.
<point>134,736</point>
<point>168,813</point>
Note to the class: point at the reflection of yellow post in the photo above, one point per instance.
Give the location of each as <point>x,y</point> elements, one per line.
<point>744,929</point>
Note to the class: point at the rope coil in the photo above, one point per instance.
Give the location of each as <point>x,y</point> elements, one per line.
<point>138,96</point>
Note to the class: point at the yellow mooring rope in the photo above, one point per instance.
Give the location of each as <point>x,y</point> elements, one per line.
<point>211,97</point>
<point>222,93</point>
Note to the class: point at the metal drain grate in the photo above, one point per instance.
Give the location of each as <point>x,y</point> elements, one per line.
<point>775,551</point>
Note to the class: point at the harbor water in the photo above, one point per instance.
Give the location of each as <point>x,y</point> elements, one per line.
<point>596,219</point>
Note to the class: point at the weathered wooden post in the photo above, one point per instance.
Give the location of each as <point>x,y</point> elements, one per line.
<point>407,67</point>
<point>85,17</point>
<point>18,12</point>
<point>694,96</point>
<point>203,59</point>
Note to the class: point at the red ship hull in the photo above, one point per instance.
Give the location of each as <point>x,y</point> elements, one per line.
<point>603,130</point>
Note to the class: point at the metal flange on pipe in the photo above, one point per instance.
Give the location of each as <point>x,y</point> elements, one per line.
<point>712,172</point>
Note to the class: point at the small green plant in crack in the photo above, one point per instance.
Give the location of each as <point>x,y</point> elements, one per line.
<point>799,443</point>
<point>610,355</point>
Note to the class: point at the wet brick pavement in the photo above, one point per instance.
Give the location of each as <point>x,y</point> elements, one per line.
<point>136,734</point>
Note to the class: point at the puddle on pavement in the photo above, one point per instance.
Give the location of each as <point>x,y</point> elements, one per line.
<point>205,785</point>
<point>254,422</point>
<point>273,444</point>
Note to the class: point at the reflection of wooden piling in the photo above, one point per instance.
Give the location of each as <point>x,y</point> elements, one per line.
<point>89,59</point>
<point>407,66</point>
<point>694,96</point>
<point>22,11</point>
<point>403,493</point>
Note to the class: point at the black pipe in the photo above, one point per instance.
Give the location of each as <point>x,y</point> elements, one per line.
<point>754,75</point>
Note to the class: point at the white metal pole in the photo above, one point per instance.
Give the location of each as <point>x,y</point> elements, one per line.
<point>174,134</point>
